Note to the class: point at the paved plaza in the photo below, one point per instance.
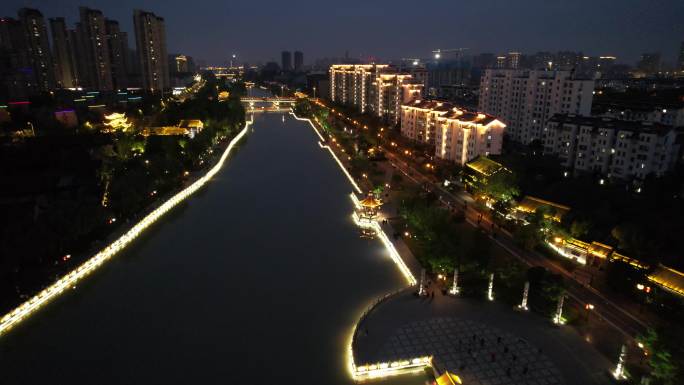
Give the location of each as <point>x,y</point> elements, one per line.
<point>485,343</point>
<point>481,355</point>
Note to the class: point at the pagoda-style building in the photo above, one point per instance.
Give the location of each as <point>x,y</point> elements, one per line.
<point>369,207</point>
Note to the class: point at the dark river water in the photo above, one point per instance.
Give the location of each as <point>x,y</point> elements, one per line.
<point>258,279</point>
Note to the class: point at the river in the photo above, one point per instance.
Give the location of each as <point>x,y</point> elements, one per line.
<point>258,279</point>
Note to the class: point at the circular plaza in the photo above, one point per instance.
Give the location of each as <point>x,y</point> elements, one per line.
<point>484,343</point>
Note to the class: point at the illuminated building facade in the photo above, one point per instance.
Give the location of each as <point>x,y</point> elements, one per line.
<point>180,64</point>
<point>150,39</point>
<point>350,83</point>
<point>615,148</point>
<point>389,91</point>
<point>525,100</point>
<point>458,135</point>
<point>373,88</point>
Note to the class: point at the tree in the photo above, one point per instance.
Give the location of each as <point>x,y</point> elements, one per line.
<point>502,186</point>
<point>660,359</point>
<point>579,228</point>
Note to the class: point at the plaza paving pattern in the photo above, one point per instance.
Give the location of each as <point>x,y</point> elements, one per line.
<point>484,343</point>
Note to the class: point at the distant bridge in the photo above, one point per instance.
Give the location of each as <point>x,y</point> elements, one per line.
<point>271,99</point>
<point>275,103</point>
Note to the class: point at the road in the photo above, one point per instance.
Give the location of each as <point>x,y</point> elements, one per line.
<point>608,310</point>
<point>623,320</point>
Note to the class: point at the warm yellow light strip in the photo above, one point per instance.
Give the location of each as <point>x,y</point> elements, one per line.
<point>387,368</point>
<point>39,300</point>
<point>394,254</point>
<point>351,180</point>
<point>566,255</point>
<point>384,369</point>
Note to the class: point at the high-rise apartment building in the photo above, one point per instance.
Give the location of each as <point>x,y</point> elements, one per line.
<point>614,148</point>
<point>525,100</point>
<point>180,63</point>
<point>63,54</point>
<point>350,83</point>
<point>298,60</point>
<point>458,135</point>
<point>649,63</point>
<point>389,91</point>
<point>16,81</point>
<point>286,61</point>
<point>37,48</point>
<point>94,61</point>
<point>374,88</point>
<point>150,38</point>
<point>118,53</point>
<point>513,60</point>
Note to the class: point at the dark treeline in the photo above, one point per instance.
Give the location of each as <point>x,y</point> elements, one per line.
<point>62,194</point>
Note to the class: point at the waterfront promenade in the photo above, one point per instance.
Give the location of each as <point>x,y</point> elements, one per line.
<point>483,342</point>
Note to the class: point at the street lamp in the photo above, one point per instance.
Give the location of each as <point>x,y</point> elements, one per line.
<point>589,307</point>
<point>314,89</point>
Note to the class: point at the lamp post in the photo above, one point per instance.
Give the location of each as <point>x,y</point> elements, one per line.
<point>588,307</point>
<point>619,372</point>
<point>557,318</point>
<point>454,287</point>
<point>314,89</point>
<point>490,290</point>
<point>421,288</point>
<point>526,291</point>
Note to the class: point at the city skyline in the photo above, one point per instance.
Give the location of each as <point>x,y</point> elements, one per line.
<point>631,29</point>
<point>446,192</point>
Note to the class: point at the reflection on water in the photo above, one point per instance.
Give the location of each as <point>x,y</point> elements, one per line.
<point>258,280</point>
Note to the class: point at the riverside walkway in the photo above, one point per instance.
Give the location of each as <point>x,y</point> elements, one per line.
<point>482,342</point>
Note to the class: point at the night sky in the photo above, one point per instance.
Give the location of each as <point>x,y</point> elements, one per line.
<point>258,30</point>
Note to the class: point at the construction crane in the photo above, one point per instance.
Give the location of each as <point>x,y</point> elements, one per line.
<point>439,51</point>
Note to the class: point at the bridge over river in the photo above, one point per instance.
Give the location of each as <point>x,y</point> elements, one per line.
<point>257,279</point>
<point>267,103</point>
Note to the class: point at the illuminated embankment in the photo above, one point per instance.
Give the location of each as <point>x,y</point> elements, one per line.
<point>36,302</point>
<point>380,369</point>
<point>339,162</point>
